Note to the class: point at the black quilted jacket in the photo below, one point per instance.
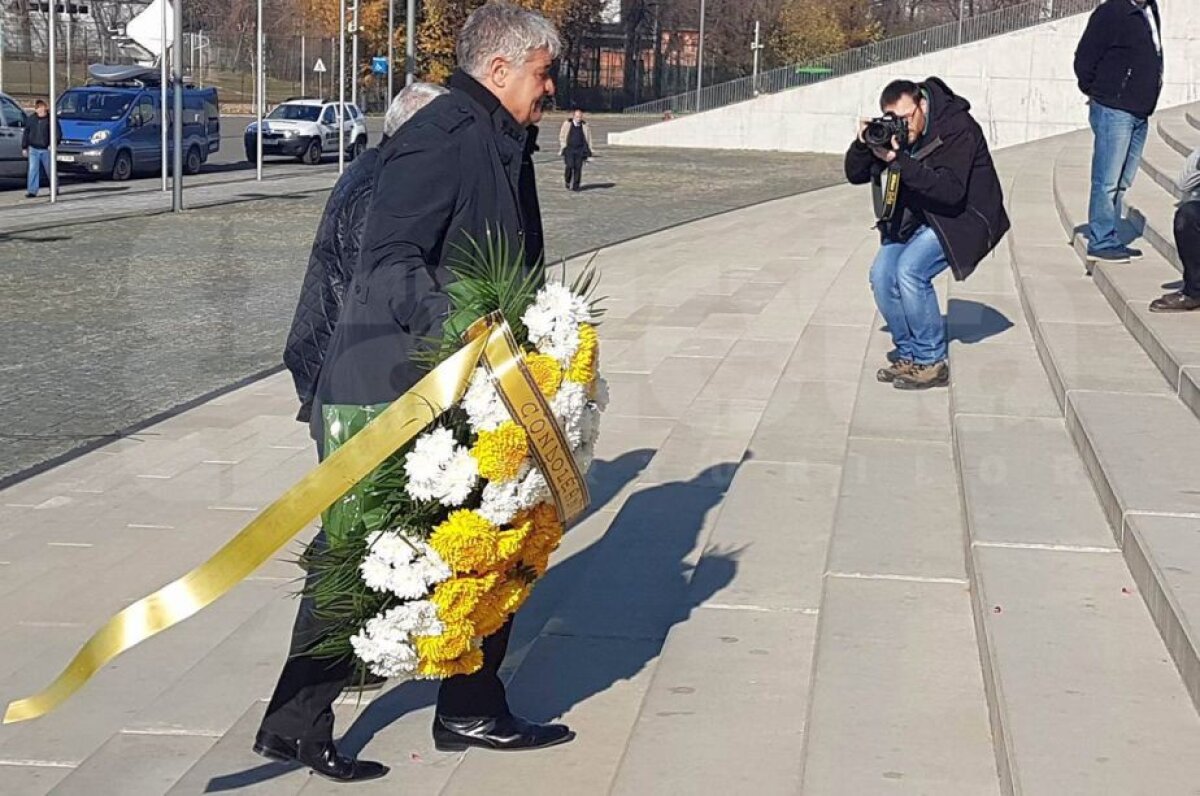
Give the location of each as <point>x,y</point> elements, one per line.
<point>330,267</point>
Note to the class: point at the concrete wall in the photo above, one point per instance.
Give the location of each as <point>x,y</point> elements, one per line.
<point>1021,86</point>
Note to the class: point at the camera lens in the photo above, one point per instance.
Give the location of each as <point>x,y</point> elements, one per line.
<point>878,134</point>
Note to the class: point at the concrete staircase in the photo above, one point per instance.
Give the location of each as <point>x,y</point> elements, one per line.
<point>1121,378</point>
<point>795,579</point>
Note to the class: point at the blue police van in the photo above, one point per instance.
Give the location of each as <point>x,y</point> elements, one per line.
<point>112,127</point>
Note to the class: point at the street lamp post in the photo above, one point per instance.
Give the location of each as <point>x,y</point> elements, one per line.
<point>177,126</point>
<point>260,95</point>
<point>700,59</point>
<point>341,86</point>
<point>162,93</point>
<point>391,46</point>
<point>410,43</point>
<point>758,45</point>
<point>53,105</point>
<point>961,4</point>
<point>354,57</point>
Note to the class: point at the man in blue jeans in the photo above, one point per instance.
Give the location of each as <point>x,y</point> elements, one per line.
<point>35,144</point>
<point>939,205</point>
<point>1119,66</point>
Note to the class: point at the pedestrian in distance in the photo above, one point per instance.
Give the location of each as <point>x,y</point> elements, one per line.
<point>1119,66</point>
<point>575,147</point>
<point>35,145</point>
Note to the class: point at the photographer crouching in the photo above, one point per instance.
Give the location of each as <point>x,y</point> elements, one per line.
<point>939,204</point>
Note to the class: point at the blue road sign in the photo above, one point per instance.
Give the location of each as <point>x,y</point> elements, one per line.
<point>379,65</point>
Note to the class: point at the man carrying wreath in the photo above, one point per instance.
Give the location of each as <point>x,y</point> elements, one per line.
<point>460,170</point>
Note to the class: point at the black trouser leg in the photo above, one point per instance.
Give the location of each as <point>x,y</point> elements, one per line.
<point>569,175</point>
<point>302,705</point>
<point>479,695</point>
<point>1187,243</point>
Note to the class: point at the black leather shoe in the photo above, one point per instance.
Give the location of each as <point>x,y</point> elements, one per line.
<point>506,734</point>
<point>274,747</point>
<point>322,758</point>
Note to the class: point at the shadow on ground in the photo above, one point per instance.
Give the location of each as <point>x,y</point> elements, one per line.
<point>637,569</point>
<point>972,322</point>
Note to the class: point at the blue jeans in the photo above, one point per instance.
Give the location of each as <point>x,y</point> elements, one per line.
<point>38,159</point>
<point>902,280</point>
<point>1120,138</point>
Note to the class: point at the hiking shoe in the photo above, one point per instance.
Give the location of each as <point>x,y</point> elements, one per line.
<point>922,377</point>
<point>893,371</point>
<point>1119,255</point>
<point>1175,302</point>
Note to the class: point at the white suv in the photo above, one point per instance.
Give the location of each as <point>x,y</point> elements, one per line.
<point>307,128</point>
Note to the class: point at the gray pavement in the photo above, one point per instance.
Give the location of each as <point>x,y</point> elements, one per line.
<point>794,579</point>
<point>108,324</point>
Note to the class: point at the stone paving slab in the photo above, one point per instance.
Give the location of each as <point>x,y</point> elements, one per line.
<point>720,725</point>
<point>897,686</point>
<point>1074,657</point>
<point>162,759</point>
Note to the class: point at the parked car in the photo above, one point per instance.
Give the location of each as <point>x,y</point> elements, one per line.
<point>113,126</point>
<point>307,128</point>
<point>12,125</point>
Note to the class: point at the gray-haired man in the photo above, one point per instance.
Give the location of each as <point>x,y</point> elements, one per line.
<point>462,168</point>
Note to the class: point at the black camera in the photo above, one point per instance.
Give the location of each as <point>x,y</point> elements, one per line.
<point>879,132</point>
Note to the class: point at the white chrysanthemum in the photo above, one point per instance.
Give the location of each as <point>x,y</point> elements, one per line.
<point>440,469</point>
<point>584,455</point>
<point>568,406</point>
<point>385,641</point>
<point>553,321</point>
<point>402,565</point>
<point>500,502</point>
<point>589,426</point>
<point>533,489</point>
<point>485,411</point>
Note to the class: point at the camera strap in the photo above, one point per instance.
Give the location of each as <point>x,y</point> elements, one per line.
<point>887,189</point>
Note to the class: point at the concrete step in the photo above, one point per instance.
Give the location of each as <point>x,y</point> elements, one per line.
<point>1139,443</point>
<point>1151,211</point>
<point>1193,117</point>
<point>1162,163</point>
<point>1178,134</point>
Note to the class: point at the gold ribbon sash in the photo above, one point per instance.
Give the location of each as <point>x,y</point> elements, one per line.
<point>489,341</point>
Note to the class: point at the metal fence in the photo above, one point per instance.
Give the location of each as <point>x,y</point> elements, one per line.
<point>887,51</point>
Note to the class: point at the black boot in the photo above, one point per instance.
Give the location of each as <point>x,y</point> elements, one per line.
<point>506,733</point>
<point>320,756</point>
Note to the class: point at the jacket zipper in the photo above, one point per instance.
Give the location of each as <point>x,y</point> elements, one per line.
<point>1124,82</point>
<point>986,223</point>
<point>945,241</point>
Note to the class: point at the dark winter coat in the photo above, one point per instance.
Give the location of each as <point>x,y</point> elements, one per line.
<point>954,188</point>
<point>36,133</point>
<point>330,267</point>
<point>1116,62</point>
<point>460,168</point>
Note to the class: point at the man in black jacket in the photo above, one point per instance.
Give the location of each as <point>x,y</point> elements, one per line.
<point>35,144</point>
<point>1119,65</point>
<point>461,168</point>
<point>940,205</point>
<point>335,254</point>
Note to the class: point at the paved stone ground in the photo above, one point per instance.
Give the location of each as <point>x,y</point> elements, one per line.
<point>769,596</point>
<point>107,324</point>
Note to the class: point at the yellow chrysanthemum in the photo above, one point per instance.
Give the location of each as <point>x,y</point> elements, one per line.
<point>545,536</point>
<point>457,598</point>
<point>537,560</point>
<point>468,663</point>
<point>546,373</point>
<point>466,542</point>
<point>512,540</point>
<point>454,641</point>
<point>582,369</point>
<point>510,594</point>
<point>489,615</point>
<point>500,453</point>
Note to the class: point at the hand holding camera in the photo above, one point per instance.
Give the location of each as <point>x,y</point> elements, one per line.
<point>883,135</point>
